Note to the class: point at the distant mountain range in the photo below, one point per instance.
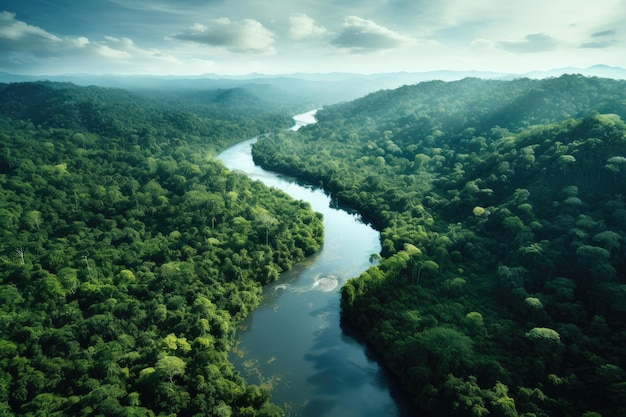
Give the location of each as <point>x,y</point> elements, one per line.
<point>604,71</point>
<point>315,89</point>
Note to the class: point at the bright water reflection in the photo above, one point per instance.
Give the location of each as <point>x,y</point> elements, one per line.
<point>293,343</point>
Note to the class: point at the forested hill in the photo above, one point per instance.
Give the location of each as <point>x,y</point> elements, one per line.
<point>128,255</point>
<point>502,281</point>
<point>484,104</point>
<point>141,119</point>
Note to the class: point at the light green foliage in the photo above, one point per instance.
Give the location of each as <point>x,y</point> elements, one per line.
<point>566,160</point>
<point>502,404</point>
<point>146,372</point>
<point>474,318</point>
<point>174,343</point>
<point>478,211</point>
<point>534,303</point>
<point>466,395</point>
<point>33,219</point>
<point>455,285</point>
<point>412,250</point>
<point>170,367</point>
<point>543,334</point>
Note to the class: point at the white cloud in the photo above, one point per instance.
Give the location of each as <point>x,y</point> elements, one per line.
<point>108,52</point>
<point>125,48</point>
<point>80,42</point>
<point>16,35</point>
<point>15,30</point>
<point>361,35</point>
<point>30,45</point>
<point>302,27</point>
<point>244,36</point>
<point>159,36</point>
<point>508,24</point>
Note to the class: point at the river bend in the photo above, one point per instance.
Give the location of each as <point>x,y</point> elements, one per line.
<point>292,343</point>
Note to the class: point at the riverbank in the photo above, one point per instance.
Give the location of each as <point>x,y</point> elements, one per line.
<point>293,343</point>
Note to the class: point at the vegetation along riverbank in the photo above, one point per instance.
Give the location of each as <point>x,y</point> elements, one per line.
<point>501,207</point>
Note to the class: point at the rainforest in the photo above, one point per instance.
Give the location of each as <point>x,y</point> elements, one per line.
<point>129,254</point>
<point>500,287</point>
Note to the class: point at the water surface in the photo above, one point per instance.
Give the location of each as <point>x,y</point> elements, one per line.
<point>293,343</point>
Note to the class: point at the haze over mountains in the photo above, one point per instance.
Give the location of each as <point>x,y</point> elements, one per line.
<point>308,89</point>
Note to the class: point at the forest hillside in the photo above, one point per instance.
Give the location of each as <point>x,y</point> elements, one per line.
<point>501,285</point>
<point>128,255</point>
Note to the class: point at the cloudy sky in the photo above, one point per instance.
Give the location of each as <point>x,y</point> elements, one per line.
<point>192,37</point>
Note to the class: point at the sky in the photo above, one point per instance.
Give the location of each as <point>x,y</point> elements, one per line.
<point>238,37</point>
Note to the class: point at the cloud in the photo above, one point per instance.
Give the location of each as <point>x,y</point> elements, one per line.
<point>126,49</point>
<point>244,36</point>
<point>598,44</point>
<point>183,37</point>
<point>601,40</point>
<point>79,42</point>
<point>361,35</point>
<point>603,33</point>
<point>16,35</point>
<point>302,27</point>
<point>30,46</point>
<point>160,6</point>
<point>537,42</point>
<point>108,52</point>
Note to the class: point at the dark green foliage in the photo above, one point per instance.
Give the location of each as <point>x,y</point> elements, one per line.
<point>150,121</point>
<point>502,217</point>
<point>128,256</point>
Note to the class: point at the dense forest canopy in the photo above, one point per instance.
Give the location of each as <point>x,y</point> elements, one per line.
<point>128,255</point>
<point>205,116</point>
<point>501,207</point>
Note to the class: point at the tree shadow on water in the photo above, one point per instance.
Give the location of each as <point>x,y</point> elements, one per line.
<point>335,374</point>
<point>348,378</point>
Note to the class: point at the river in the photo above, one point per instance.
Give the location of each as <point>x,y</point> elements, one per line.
<point>293,343</point>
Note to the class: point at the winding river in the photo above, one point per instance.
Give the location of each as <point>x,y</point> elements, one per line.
<point>292,343</point>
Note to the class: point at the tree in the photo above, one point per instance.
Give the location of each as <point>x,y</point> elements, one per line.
<point>464,397</point>
<point>425,266</point>
<point>544,334</point>
<point>501,403</point>
<point>517,229</point>
<point>223,410</point>
<point>33,219</point>
<point>266,220</point>
<point>596,260</point>
<point>608,239</point>
<point>170,367</point>
<point>474,319</point>
<point>447,348</point>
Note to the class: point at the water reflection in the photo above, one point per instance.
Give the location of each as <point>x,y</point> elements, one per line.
<point>293,343</point>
